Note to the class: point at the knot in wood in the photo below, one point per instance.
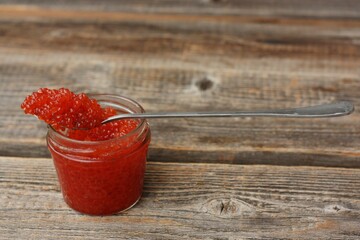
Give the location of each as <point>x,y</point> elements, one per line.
<point>336,209</point>
<point>204,84</point>
<point>228,208</point>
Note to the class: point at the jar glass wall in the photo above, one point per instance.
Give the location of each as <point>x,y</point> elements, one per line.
<point>102,177</point>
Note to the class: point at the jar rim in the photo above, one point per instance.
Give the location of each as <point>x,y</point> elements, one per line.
<point>143,122</point>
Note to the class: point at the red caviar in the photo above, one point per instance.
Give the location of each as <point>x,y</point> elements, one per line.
<point>63,108</point>
<point>77,112</point>
<point>100,170</point>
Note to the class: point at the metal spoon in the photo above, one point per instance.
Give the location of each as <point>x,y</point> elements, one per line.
<point>320,111</point>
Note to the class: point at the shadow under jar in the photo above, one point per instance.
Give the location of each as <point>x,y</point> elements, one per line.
<point>102,177</point>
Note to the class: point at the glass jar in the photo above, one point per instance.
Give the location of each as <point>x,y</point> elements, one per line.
<point>102,177</point>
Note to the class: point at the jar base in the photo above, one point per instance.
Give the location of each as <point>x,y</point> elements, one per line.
<point>107,214</point>
<point>137,200</point>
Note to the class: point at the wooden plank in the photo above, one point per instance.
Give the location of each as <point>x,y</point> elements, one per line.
<point>179,35</point>
<point>332,142</point>
<point>197,201</point>
<point>305,8</point>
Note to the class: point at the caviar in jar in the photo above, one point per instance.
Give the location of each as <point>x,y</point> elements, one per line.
<point>102,177</point>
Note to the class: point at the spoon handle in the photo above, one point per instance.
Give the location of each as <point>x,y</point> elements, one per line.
<point>320,111</point>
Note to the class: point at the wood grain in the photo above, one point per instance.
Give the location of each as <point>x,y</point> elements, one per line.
<point>197,201</point>
<point>191,55</point>
<point>295,9</point>
<point>189,63</point>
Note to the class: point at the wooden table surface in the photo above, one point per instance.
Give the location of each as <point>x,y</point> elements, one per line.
<point>239,178</point>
